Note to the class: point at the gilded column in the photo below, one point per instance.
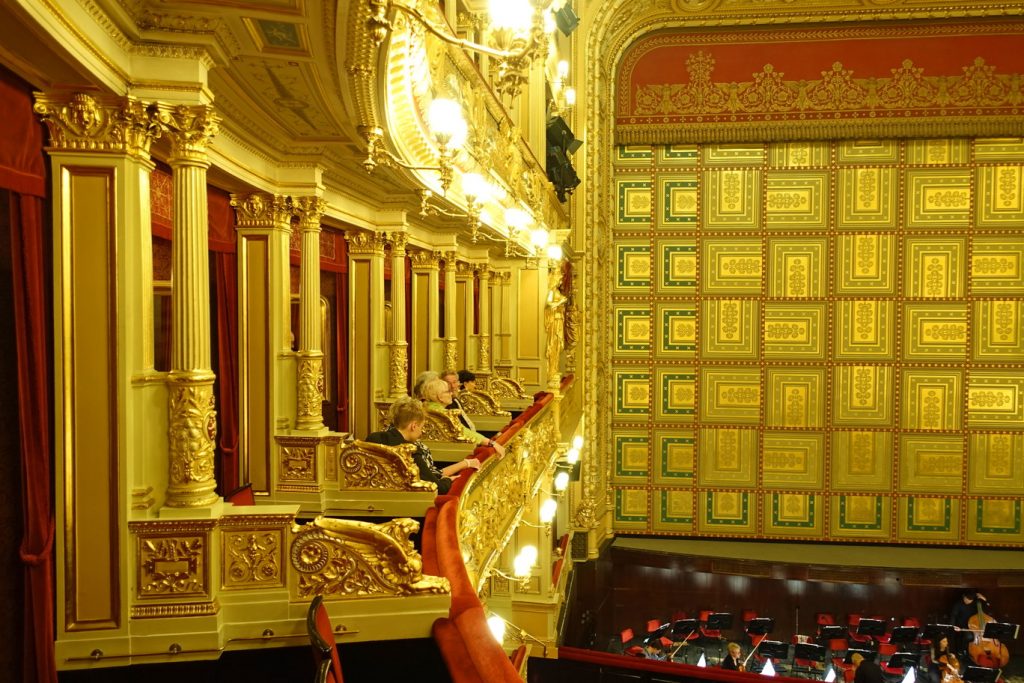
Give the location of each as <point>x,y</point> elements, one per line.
<point>263,224</point>
<point>483,361</point>
<point>310,355</point>
<point>427,350</point>
<point>193,418</point>
<point>451,359</point>
<point>399,363</point>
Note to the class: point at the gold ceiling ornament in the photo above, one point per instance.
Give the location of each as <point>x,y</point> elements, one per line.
<point>370,466</point>
<point>517,32</point>
<point>95,123</point>
<point>349,559</point>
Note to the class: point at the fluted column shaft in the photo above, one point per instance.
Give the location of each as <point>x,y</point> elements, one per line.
<point>451,360</point>
<point>193,423</point>
<point>399,365</point>
<point>310,355</point>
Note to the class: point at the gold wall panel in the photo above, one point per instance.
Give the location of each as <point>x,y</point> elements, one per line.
<point>820,341</point>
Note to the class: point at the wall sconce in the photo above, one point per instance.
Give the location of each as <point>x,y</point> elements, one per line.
<point>449,129</point>
<point>561,481</point>
<point>518,30</point>
<point>477,192</point>
<point>555,252</point>
<point>517,221</point>
<point>563,95</point>
<point>522,567</point>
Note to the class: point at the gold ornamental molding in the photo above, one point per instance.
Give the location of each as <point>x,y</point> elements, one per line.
<point>375,467</point>
<point>297,460</point>
<point>348,559</point>
<point>506,388</point>
<point>482,403</point>
<point>190,130</point>
<point>172,559</point>
<point>193,433</point>
<point>93,123</point>
<point>425,260</point>
<point>443,425</point>
<point>175,609</point>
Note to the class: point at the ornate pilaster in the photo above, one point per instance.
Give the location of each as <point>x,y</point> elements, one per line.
<point>190,381</point>
<point>369,379</point>
<point>451,354</point>
<point>263,224</point>
<point>502,342</point>
<point>427,349</point>
<point>483,358</point>
<point>311,357</point>
<point>466,351</point>
<point>399,363</point>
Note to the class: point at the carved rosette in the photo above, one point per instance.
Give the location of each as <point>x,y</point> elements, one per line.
<point>348,559</point>
<point>399,368</point>
<point>365,242</point>
<point>190,130</point>
<point>262,210</point>
<point>193,433</point>
<point>89,123</point>
<point>368,466</point>
<point>311,391</point>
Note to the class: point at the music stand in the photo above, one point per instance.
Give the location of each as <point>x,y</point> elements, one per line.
<point>684,628</point>
<point>903,660</point>
<point>868,655</point>
<point>773,649</point>
<point>809,651</point>
<point>997,630</point>
<point>934,632</point>
<point>981,674</point>
<point>719,621</point>
<point>904,635</point>
<point>871,627</point>
<point>832,632</point>
<point>760,626</point>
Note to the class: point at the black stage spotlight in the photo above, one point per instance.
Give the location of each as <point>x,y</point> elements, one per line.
<point>566,19</point>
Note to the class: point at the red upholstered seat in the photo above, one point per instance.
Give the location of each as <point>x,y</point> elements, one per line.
<point>652,625</point>
<point>243,495</point>
<point>626,635</point>
<point>635,651</point>
<point>321,638</point>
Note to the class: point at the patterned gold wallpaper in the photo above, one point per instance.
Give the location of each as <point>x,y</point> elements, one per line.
<point>820,340</point>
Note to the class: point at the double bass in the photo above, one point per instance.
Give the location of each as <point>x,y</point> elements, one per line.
<point>988,652</point>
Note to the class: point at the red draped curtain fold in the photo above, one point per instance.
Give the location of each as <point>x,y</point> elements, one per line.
<point>225,285</point>
<point>23,173</point>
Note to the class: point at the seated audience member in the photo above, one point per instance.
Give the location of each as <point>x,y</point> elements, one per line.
<point>652,650</point>
<point>407,416</point>
<point>452,378</point>
<point>438,395</point>
<point>421,381</point>
<point>467,380</point>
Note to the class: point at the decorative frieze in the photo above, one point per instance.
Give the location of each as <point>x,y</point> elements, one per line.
<point>92,123</point>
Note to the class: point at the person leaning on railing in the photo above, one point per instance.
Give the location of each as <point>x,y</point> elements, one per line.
<point>438,396</point>
<point>407,416</point>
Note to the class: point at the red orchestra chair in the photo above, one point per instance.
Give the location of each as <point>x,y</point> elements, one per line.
<point>321,637</point>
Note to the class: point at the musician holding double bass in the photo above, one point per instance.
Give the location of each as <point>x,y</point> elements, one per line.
<point>969,615</point>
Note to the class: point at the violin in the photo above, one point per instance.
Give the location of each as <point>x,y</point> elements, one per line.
<point>950,668</point>
<point>987,652</point>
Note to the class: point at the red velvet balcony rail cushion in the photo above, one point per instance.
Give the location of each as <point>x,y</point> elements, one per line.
<point>449,555</point>
<point>428,542</point>
<point>488,656</point>
<point>454,652</point>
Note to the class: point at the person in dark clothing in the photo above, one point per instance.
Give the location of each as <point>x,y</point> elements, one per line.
<point>963,609</point>
<point>732,660</point>
<point>866,671</point>
<point>407,416</point>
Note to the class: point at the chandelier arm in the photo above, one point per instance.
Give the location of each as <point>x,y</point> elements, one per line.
<point>443,35</point>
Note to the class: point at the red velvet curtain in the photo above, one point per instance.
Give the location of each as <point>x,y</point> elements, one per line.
<point>226,285</point>
<point>221,221</point>
<point>23,172</point>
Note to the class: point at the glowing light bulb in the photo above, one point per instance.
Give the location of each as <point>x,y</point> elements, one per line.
<point>572,456</point>
<point>577,442</point>
<point>529,554</point>
<point>497,626</point>
<point>561,481</point>
<point>445,119</point>
<point>547,510</point>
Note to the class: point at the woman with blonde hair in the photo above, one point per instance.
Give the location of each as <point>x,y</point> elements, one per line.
<point>438,395</point>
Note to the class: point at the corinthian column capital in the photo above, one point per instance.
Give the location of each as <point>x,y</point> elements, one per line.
<point>261,209</point>
<point>309,211</point>
<point>190,130</point>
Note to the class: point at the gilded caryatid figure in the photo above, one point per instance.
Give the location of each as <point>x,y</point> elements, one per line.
<point>309,210</point>
<point>554,326</point>
<point>192,421</point>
